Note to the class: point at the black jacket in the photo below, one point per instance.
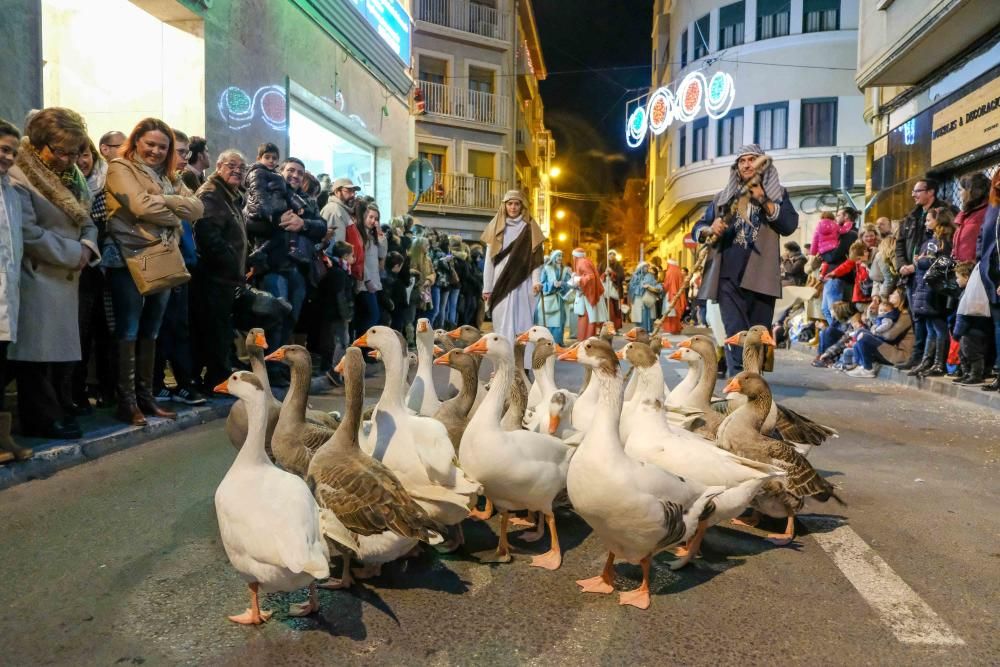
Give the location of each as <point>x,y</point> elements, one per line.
<point>335,294</point>
<point>912,233</point>
<point>219,236</point>
<point>263,215</point>
<point>926,302</point>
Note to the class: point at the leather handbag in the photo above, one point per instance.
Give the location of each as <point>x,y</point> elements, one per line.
<point>157,265</point>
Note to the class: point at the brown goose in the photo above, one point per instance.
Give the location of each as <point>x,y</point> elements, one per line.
<point>364,508</point>
<point>464,336</point>
<point>295,440</point>
<point>454,413</point>
<point>700,397</point>
<point>607,334</point>
<point>740,434</point>
<point>513,417</point>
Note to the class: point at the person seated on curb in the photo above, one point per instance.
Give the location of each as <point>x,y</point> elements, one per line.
<point>893,346</point>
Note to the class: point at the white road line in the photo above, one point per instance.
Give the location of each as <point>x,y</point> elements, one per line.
<point>909,618</point>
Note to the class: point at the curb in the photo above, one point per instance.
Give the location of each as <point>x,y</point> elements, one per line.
<point>55,455</point>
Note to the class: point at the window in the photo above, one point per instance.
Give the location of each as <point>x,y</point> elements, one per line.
<point>682,145</point>
<point>434,70</point>
<point>699,142</point>
<point>701,28</point>
<point>684,48</point>
<point>819,123</point>
<point>481,163</point>
<point>772,18</point>
<point>437,155</point>
<point>731,25</point>
<point>771,126</point>
<point>730,132</point>
<point>820,15</point>
<point>481,80</point>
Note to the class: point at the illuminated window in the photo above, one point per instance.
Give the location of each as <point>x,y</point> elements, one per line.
<point>730,131</point>
<point>771,126</point>
<point>820,15</point>
<point>772,18</point>
<point>819,122</point>
<point>327,149</point>
<point>731,25</point>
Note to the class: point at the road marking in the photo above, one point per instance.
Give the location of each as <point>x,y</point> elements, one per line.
<point>909,618</point>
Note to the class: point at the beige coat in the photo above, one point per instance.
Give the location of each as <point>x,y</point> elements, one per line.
<point>137,207</point>
<point>48,322</point>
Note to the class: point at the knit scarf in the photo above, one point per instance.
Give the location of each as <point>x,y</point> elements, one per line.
<point>67,191</point>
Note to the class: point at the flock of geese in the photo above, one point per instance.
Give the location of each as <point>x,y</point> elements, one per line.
<point>647,468</point>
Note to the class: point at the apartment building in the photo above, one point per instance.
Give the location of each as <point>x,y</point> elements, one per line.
<point>477,64</point>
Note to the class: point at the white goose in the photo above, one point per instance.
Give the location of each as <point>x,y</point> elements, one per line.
<point>637,509</point>
<point>519,470</point>
<point>422,397</point>
<point>268,518</point>
<point>545,379</point>
<point>414,447</point>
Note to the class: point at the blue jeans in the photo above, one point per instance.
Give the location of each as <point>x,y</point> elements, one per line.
<point>374,315</point>
<point>449,306</point>
<point>435,310</point>
<point>136,316</point>
<point>829,336</point>
<point>174,342</point>
<point>741,309</point>
<point>833,291</point>
<point>291,285</point>
<point>866,350</point>
<point>995,312</point>
<point>935,329</point>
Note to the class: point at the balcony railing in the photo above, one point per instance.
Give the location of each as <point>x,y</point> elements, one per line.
<point>465,15</point>
<point>463,191</point>
<point>466,104</point>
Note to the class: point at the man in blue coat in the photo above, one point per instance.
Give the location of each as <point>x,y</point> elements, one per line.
<point>743,268</point>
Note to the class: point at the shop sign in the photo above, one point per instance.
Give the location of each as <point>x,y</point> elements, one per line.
<point>970,123</point>
<point>391,21</point>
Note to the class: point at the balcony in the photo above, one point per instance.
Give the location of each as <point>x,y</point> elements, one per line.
<point>462,191</point>
<point>466,105</point>
<point>469,17</point>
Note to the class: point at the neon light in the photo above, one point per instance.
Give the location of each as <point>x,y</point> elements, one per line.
<point>720,95</point>
<point>238,109</point>
<point>689,94</point>
<point>694,93</point>
<point>910,132</point>
<point>637,126</point>
<point>660,110</point>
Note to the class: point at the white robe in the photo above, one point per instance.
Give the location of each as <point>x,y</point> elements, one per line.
<point>516,312</point>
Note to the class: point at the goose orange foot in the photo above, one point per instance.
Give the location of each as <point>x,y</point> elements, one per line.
<point>250,618</point>
<point>750,522</point>
<point>533,536</point>
<point>637,598</point>
<point>526,522</point>
<point>780,540</point>
<point>550,560</point>
<point>602,582</point>
<point>310,606</point>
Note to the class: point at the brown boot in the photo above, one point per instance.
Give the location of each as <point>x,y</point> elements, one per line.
<point>8,448</point>
<point>127,411</point>
<point>145,360</point>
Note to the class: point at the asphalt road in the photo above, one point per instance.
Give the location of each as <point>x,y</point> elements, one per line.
<point>119,561</point>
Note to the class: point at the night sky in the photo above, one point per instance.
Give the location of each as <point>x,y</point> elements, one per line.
<point>594,50</point>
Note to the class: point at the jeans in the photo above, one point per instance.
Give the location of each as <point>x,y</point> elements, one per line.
<point>213,323</point>
<point>337,340</point>
<point>373,314</point>
<point>935,329</point>
<point>174,342</point>
<point>741,309</point>
<point>136,316</point>
<point>866,350</point>
<point>436,309</point>
<point>291,285</point>
<point>833,291</point>
<point>995,312</point>
<point>449,306</point>
<point>919,332</point>
<point>829,336</point>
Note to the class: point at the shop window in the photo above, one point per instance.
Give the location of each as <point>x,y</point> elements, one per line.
<point>682,146</point>
<point>731,25</point>
<point>819,123</point>
<point>433,69</point>
<point>699,140</point>
<point>820,15</point>
<point>326,148</point>
<point>701,29</point>
<point>684,48</point>
<point>773,18</point>
<point>771,126</point>
<point>730,131</point>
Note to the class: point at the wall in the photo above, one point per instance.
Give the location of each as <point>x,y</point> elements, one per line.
<point>21,55</point>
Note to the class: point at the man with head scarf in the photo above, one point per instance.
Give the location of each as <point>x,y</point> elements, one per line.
<point>673,282</point>
<point>614,280</point>
<point>512,270</point>
<point>591,306</point>
<point>743,222</point>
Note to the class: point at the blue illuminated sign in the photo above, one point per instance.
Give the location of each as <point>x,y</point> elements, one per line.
<point>391,21</point>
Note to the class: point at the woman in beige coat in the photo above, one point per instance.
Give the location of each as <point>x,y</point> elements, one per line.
<point>59,240</point>
<point>145,198</point>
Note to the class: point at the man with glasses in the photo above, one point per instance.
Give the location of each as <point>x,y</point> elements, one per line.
<point>912,234</point>
<point>111,142</point>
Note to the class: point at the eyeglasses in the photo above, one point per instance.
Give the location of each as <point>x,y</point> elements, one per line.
<point>113,146</point>
<point>236,168</point>
<point>185,154</point>
<point>63,155</point>
<point>918,191</point>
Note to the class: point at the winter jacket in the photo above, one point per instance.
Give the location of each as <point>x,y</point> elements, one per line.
<point>266,194</point>
<point>860,276</point>
<point>337,294</point>
<point>793,269</point>
<point>827,235</point>
<point>899,340</point>
<point>838,255</point>
<point>375,250</point>
<point>925,302</point>
<point>912,233</point>
<point>11,252</point>
<point>988,253</point>
<point>337,217</point>
<point>262,223</point>
<point>968,224</point>
<point>883,275</point>
<point>966,324</point>
<point>353,236</point>
<point>220,235</point>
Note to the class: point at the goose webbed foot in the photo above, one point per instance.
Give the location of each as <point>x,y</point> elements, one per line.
<point>310,606</point>
<point>639,597</point>
<point>253,615</point>
<point>602,583</point>
<point>749,522</point>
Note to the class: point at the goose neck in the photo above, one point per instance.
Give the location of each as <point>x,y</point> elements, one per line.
<point>253,452</point>
<point>259,369</point>
<point>491,409</point>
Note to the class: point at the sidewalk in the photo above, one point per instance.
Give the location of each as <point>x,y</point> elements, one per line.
<point>104,435</point>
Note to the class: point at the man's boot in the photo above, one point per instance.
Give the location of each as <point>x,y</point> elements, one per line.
<point>145,360</point>
<point>939,367</point>
<point>8,448</point>
<point>925,363</point>
<point>128,411</point>
<point>975,375</point>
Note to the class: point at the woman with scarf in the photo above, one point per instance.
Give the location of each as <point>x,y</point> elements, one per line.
<point>591,306</point>
<point>643,292</point>
<point>673,282</point>
<point>512,272</point>
<point>145,198</point>
<point>743,223</point>
<point>552,305</point>
<point>60,239</point>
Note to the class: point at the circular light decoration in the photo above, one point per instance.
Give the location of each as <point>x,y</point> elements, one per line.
<point>660,110</point>
<point>689,95</point>
<point>635,132</point>
<point>719,95</point>
<point>236,108</point>
<point>272,107</point>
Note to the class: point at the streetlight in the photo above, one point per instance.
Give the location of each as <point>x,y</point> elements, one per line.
<point>555,171</point>
<point>562,237</point>
<point>560,213</point>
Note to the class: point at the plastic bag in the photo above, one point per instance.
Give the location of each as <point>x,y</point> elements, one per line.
<point>975,301</point>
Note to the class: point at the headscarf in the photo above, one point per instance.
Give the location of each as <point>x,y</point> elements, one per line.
<point>590,283</point>
<point>492,236</point>
<point>552,258</point>
<point>772,186</point>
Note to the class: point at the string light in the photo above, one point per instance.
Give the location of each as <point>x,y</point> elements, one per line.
<point>637,126</point>
<point>719,95</point>
<point>662,107</point>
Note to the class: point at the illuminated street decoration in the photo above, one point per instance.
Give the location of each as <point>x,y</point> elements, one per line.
<point>662,107</point>
<point>238,109</point>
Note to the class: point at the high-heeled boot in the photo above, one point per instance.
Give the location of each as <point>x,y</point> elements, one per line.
<point>924,364</point>
<point>145,360</point>
<point>127,411</point>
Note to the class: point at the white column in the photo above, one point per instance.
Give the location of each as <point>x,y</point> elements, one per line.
<point>794,122</point>
<point>750,19</point>
<point>748,122</point>
<point>795,18</point>
<point>712,139</point>
<point>713,30</point>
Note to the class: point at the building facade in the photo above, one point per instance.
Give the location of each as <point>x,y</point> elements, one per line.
<point>930,72</point>
<point>771,72</point>
<point>480,119</point>
<point>326,80</point>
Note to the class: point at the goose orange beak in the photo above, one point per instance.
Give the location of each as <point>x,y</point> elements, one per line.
<point>277,355</point>
<point>438,350</point>
<point>479,347</point>
<point>339,368</point>
<point>553,424</point>
<point>632,333</point>
<point>570,354</point>
<point>768,339</point>
<point>222,387</point>
<point>675,355</point>
<point>734,339</point>
<point>444,359</point>
<point>455,333</point>
<point>684,343</point>
<point>560,349</point>
<point>422,327</point>
<point>522,337</point>
<point>665,343</point>
<point>734,385</point>
<point>260,341</point>
<point>362,341</point>
<point>621,354</point>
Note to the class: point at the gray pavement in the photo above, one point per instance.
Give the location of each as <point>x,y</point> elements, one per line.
<point>118,561</point>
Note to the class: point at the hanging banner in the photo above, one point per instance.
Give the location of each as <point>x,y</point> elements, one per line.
<point>970,123</point>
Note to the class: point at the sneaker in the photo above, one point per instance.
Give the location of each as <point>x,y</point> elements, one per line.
<point>162,396</point>
<point>862,372</point>
<point>190,396</point>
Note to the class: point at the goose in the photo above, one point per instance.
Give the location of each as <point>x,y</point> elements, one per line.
<point>545,377</point>
<point>363,508</point>
<point>416,448</point>
<point>647,381</point>
<point>637,509</point>
<point>268,519</point>
<point>513,416</point>
<point>454,413</point>
<point>656,344</point>
<point>448,340</point>
<point>701,349</point>
<point>422,397</point>
<point>740,434</point>
<point>680,394</point>
<point>519,470</point>
<point>607,334</point>
<point>464,336</point>
<point>538,418</point>
<point>295,440</point>
<point>559,413</point>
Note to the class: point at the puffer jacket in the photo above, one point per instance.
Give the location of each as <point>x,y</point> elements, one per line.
<point>912,233</point>
<point>266,194</point>
<point>968,223</point>
<point>988,253</point>
<point>926,303</point>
